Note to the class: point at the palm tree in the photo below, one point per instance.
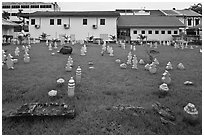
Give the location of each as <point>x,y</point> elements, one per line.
<point>5,15</point>
<point>44,36</point>
<point>142,37</point>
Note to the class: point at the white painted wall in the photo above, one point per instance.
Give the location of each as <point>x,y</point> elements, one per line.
<point>193,21</point>
<point>153,36</point>
<point>76,27</point>
<point>7,31</point>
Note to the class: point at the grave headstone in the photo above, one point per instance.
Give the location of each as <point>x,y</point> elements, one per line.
<point>129,61</point>
<point>17,51</point>
<point>156,61</point>
<point>155,45</point>
<point>78,75</point>
<point>9,62</point>
<point>141,62</point>
<point>55,45</point>
<point>131,47</point>
<point>134,48</point>
<point>26,58</point>
<point>47,43</point>
<point>85,48</point>
<point>71,60</point>
<point>191,47</point>
<point>50,46</point>
<point>68,66</point>
<point>82,51</point>
<point>180,66</point>
<point>134,62</point>
<point>111,52</point>
<point>71,87</point>
<point>166,79</point>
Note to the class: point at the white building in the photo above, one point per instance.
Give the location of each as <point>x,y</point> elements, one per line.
<point>13,8</point>
<point>188,17</point>
<point>156,28</point>
<point>27,7</point>
<point>8,29</point>
<point>79,25</point>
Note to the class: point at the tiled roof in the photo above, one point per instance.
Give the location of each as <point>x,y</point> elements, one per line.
<point>77,14</point>
<point>148,21</point>
<point>189,13</point>
<point>8,23</point>
<point>181,13</point>
<point>170,12</point>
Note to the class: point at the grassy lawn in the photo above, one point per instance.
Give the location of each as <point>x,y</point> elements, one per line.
<point>101,88</point>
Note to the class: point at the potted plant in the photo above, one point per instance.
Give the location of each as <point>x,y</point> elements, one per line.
<point>43,37</point>
<point>113,38</point>
<point>142,37</point>
<point>90,38</point>
<point>23,36</point>
<point>67,38</point>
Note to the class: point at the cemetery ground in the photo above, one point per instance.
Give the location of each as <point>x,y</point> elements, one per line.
<point>101,88</point>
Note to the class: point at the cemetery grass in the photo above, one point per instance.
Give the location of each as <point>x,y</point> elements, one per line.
<point>101,88</point>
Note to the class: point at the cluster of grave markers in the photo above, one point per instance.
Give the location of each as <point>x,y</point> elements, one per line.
<point>190,110</point>
<point>152,68</point>
<point>131,60</point>
<point>10,61</point>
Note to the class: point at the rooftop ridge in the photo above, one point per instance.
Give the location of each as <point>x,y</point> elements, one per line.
<point>178,12</point>
<point>164,13</point>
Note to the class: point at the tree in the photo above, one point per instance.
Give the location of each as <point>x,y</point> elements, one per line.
<point>197,8</point>
<point>142,37</point>
<point>5,15</point>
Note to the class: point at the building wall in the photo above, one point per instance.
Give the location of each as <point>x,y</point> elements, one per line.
<point>76,27</point>
<point>13,11</point>
<point>193,21</point>
<point>153,36</point>
<point>6,30</point>
<point>30,10</point>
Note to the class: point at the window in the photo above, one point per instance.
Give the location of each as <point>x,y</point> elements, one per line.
<point>15,6</point>
<point>6,7</point>
<point>84,21</point>
<point>197,21</point>
<point>175,32</point>
<point>102,21</point>
<point>24,6</point>
<point>134,32</point>
<point>156,32</point>
<point>162,32</point>
<point>34,6</point>
<point>13,14</point>
<point>52,21</point>
<point>49,6</point>
<point>45,6</point>
<point>189,22</point>
<point>27,22</point>
<point>59,21</point>
<point>149,32</point>
<point>7,13</point>
<point>169,32</point>
<point>42,6</point>
<point>143,31</point>
<point>17,28</point>
<point>32,21</point>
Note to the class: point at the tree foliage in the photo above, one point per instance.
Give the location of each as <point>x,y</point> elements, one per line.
<point>5,15</point>
<point>197,8</point>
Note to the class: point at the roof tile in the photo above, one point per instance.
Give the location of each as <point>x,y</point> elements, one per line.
<point>77,13</point>
<point>149,21</point>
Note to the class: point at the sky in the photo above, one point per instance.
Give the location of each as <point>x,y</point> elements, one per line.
<point>112,5</point>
